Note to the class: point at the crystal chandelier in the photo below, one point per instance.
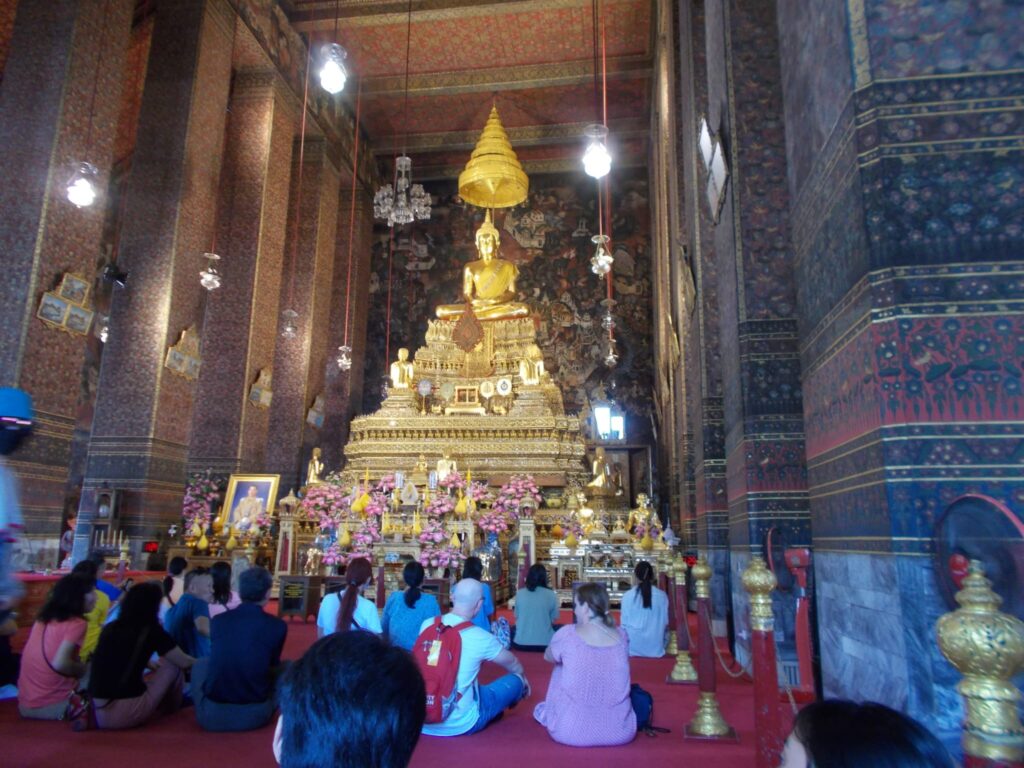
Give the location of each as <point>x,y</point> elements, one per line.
<point>289,330</point>
<point>344,358</point>
<point>601,262</point>
<point>81,189</point>
<point>404,202</point>
<point>209,278</point>
<point>333,73</point>
<point>611,357</point>
<point>597,161</point>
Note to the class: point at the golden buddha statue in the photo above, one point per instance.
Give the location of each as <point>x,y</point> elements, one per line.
<point>599,470</point>
<point>402,370</point>
<point>315,468</point>
<point>489,283</point>
<point>531,367</point>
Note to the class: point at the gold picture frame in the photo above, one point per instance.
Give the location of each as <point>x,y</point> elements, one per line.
<point>243,488</point>
<point>53,310</point>
<point>78,320</point>
<point>74,289</point>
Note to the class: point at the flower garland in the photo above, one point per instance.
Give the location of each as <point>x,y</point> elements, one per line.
<point>201,492</point>
<point>326,504</point>
<point>515,492</point>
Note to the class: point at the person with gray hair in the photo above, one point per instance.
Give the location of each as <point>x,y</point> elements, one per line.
<point>233,689</point>
<point>478,705</point>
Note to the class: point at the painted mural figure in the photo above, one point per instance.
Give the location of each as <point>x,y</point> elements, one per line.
<point>489,283</point>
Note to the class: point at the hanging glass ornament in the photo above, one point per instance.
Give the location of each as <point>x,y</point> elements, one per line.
<point>344,358</point>
<point>289,329</point>
<point>210,278</point>
<point>601,263</point>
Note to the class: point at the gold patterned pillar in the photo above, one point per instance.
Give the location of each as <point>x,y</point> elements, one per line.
<point>987,648</point>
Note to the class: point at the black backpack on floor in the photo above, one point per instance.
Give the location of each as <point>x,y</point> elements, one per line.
<point>643,706</point>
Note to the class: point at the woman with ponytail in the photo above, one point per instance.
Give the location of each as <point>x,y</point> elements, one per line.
<point>407,610</point>
<point>350,610</point>
<point>645,614</point>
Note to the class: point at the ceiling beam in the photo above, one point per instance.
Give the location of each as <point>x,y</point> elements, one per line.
<point>524,77</point>
<point>526,136</point>
<point>320,16</point>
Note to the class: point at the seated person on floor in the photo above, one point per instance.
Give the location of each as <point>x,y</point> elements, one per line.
<point>224,597</point>
<point>174,584</point>
<point>352,701</point>
<point>406,611</point>
<point>97,617</point>
<point>473,568</point>
<point>188,622</point>
<point>645,614</point>
<point>536,611</point>
<point>588,702</point>
<point>234,688</point>
<point>349,610</point>
<point>124,695</point>
<point>842,734</point>
<point>50,666</point>
<point>112,592</point>
<point>477,705</point>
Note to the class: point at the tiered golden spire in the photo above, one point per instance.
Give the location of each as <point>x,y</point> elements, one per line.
<point>493,177</point>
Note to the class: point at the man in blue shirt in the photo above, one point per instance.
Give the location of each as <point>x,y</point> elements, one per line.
<point>188,622</point>
<point>234,689</point>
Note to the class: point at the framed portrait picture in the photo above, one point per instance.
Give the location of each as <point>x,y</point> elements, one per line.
<point>52,310</point>
<point>74,289</point>
<point>248,498</point>
<point>78,320</point>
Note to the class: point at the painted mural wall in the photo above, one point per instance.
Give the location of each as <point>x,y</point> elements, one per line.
<point>548,237</point>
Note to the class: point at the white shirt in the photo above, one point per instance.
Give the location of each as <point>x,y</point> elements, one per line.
<point>478,646</point>
<point>645,626</point>
<point>364,617</point>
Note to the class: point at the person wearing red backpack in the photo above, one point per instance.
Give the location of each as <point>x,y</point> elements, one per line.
<point>469,706</point>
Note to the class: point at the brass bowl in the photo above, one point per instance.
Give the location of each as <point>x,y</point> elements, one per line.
<point>556,503</point>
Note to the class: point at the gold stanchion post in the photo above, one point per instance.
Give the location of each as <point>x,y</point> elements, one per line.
<point>683,671</point>
<point>987,648</point>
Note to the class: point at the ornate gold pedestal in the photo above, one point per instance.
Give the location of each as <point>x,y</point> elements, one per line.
<point>479,409</point>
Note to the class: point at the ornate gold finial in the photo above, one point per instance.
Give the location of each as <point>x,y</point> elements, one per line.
<point>987,647</point>
<point>759,583</point>
<point>493,177</point>
<point>701,573</point>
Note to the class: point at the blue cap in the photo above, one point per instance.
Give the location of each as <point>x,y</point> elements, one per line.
<point>15,403</point>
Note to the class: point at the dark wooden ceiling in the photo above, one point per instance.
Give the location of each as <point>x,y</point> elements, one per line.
<point>533,58</point>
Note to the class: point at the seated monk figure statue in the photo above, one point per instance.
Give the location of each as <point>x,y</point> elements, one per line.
<point>489,283</point>
<point>402,370</point>
<point>531,367</point>
<point>599,470</point>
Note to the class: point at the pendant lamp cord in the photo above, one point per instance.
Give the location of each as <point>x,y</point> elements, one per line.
<point>352,208</point>
<point>297,219</point>
<point>96,77</point>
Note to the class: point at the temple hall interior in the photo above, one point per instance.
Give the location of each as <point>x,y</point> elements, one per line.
<point>733,288</point>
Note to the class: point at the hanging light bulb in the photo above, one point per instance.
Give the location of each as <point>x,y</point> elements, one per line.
<point>333,73</point>
<point>289,330</point>
<point>82,186</point>
<point>102,328</point>
<point>601,262</point>
<point>597,161</point>
<point>344,358</point>
<point>209,278</point>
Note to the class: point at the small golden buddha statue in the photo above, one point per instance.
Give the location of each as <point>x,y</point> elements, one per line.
<point>489,283</point>
<point>531,367</point>
<point>642,514</point>
<point>315,468</point>
<point>599,469</point>
<point>402,370</point>
<point>445,466</point>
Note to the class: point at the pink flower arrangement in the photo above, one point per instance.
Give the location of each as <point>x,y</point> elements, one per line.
<point>493,521</point>
<point>639,530</point>
<point>452,481</point>
<point>514,493</point>
<point>326,504</point>
<point>377,505</point>
<point>386,484</point>
<point>441,557</point>
<point>478,492</point>
<point>201,494</point>
<point>440,506</point>
<point>333,555</point>
<point>433,532</point>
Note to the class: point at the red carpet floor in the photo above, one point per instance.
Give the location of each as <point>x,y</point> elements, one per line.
<point>177,742</point>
